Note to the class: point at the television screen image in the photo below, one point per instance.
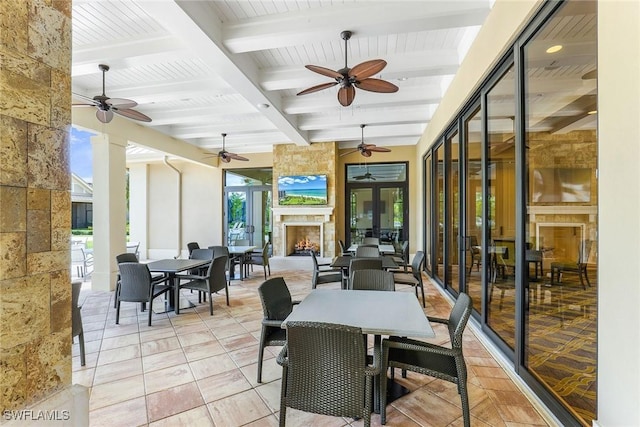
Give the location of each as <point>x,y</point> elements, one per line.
<point>302,190</point>
<point>561,185</point>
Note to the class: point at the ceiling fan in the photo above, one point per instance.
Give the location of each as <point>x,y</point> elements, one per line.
<point>367,176</point>
<point>351,78</point>
<point>366,149</point>
<point>107,106</point>
<point>226,156</point>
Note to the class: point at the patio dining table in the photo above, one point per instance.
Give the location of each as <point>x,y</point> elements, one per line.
<point>240,253</point>
<point>171,267</point>
<point>374,312</point>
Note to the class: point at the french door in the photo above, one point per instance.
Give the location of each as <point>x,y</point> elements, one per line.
<point>377,203</point>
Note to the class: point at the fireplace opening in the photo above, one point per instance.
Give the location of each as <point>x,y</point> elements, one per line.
<point>302,239</point>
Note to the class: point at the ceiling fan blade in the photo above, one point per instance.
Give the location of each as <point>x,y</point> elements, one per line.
<point>349,152</point>
<point>346,95</point>
<point>324,71</point>
<point>235,156</point>
<point>317,88</point>
<point>121,102</point>
<point>376,85</point>
<point>366,153</point>
<point>84,105</point>
<point>105,116</point>
<point>378,149</point>
<point>131,114</point>
<point>86,99</point>
<point>367,69</point>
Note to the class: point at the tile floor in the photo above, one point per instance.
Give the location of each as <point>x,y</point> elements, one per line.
<point>200,370</point>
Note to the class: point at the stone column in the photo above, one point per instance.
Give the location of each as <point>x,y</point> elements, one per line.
<point>35,204</point>
<point>109,208</point>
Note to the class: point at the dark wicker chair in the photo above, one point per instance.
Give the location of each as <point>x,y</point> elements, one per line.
<point>136,285</point>
<point>276,306</point>
<point>125,257</point>
<point>343,249</point>
<point>362,264</point>
<point>215,280</point>
<point>371,241</point>
<point>324,371</point>
<point>324,275</point>
<point>413,278</point>
<point>367,251</point>
<point>429,359</point>
<point>372,280</point>
<point>191,246</point>
<point>401,257</point>
<point>261,258</point>
<point>76,318</point>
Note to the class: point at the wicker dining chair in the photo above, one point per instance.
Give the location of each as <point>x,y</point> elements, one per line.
<point>137,285</point>
<point>356,264</point>
<point>372,280</point>
<point>276,306</point>
<point>413,278</point>
<point>430,359</point>
<point>215,280</point>
<point>322,274</point>
<point>367,251</point>
<point>324,371</point>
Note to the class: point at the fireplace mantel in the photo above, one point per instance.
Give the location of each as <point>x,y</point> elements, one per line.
<point>279,211</point>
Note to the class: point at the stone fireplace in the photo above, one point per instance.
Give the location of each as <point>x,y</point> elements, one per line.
<point>297,224</point>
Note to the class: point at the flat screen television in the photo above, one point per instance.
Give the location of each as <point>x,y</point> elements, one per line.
<point>552,185</point>
<point>302,190</point>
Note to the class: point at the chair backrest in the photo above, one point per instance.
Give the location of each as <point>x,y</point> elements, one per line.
<point>77,254</point>
<point>315,261</point>
<point>584,250</point>
<point>275,298</point>
<point>372,280</point>
<point>370,241</point>
<point>132,247</point>
<point>340,389</point>
<point>217,274</point>
<point>135,281</point>
<point>405,251</point>
<point>201,254</point>
<point>367,251</point>
<point>126,257</point>
<point>343,250</point>
<point>240,242</point>
<point>191,246</point>
<point>458,319</point>
<point>365,264</point>
<point>417,265</point>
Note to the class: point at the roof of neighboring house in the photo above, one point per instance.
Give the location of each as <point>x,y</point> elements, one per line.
<point>81,190</point>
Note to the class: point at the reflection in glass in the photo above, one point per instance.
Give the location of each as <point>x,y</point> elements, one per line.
<point>561,224</point>
<point>474,206</point>
<point>453,202</point>
<point>439,219</point>
<point>428,250</point>
<point>501,160</point>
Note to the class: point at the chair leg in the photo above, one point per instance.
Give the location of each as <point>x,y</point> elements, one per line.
<point>118,311</point>
<point>150,310</point>
<point>211,304</point>
<point>261,353</point>
<point>81,342</point>
<point>382,393</point>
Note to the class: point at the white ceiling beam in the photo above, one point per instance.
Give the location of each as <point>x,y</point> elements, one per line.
<point>352,134</point>
<point>378,116</point>
<point>238,71</point>
<point>300,27</point>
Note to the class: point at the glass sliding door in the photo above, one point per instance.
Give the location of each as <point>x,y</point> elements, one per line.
<point>439,219</point>
<point>453,213</point>
<point>501,174</point>
<point>248,206</point>
<point>428,218</point>
<point>562,208</point>
<point>473,208</point>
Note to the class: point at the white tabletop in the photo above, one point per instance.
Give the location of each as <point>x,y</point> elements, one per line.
<point>240,249</point>
<point>384,249</point>
<point>375,312</point>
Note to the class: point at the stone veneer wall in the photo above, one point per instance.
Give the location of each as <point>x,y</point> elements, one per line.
<point>35,205</point>
<point>318,158</point>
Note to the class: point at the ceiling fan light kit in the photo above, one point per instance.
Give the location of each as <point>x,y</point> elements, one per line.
<point>351,78</point>
<point>107,106</point>
<point>366,149</point>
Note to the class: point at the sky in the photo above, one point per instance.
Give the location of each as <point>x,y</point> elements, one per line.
<point>81,154</point>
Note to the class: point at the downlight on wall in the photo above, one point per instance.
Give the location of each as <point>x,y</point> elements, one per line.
<point>554,48</point>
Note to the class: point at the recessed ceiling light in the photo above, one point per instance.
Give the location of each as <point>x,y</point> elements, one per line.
<point>554,49</point>
<point>592,112</point>
<point>263,106</point>
<point>402,79</point>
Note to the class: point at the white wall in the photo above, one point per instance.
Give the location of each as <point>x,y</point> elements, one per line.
<point>619,213</point>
